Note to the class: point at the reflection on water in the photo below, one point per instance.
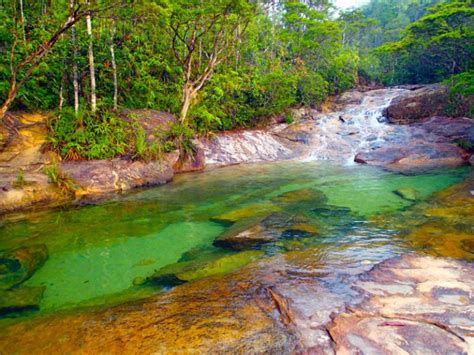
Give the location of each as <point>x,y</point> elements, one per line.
<point>97,253</point>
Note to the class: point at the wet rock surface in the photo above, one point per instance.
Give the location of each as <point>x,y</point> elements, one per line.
<point>417,156</point>
<point>400,305</point>
<point>244,147</point>
<point>22,159</point>
<point>416,304</point>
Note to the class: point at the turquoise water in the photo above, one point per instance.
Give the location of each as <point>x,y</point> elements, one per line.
<point>97,251</point>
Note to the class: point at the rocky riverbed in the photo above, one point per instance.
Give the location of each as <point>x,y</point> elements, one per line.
<point>415,303</point>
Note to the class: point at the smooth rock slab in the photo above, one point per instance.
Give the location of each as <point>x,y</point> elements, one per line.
<point>378,335</point>
<point>415,156</point>
<point>430,312</point>
<point>278,305</point>
<point>101,176</point>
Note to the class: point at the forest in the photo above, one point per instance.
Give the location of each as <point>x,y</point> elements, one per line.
<point>215,64</point>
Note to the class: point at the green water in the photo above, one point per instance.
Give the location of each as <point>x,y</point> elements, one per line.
<point>96,251</point>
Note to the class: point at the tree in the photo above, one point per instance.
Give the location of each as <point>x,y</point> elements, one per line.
<point>438,45</point>
<point>203,35</point>
<point>20,72</point>
<point>91,60</point>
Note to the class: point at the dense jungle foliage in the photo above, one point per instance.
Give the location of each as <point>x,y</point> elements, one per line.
<point>216,64</point>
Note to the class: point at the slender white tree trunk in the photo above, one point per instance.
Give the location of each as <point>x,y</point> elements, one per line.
<point>188,95</point>
<point>91,61</point>
<point>61,93</point>
<point>114,66</point>
<point>75,81</point>
<point>22,17</point>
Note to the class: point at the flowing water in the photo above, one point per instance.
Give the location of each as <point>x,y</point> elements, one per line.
<point>357,127</point>
<point>97,252</point>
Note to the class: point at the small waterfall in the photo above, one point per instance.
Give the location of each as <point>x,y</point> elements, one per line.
<point>341,134</point>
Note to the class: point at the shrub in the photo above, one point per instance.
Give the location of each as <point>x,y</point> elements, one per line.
<point>88,136</point>
<point>62,181</point>
<point>461,94</point>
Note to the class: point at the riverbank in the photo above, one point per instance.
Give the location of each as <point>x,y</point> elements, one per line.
<point>352,129</point>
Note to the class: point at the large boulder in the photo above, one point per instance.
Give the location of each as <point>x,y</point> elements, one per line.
<point>430,100</point>
<point>415,156</point>
<point>102,176</point>
<point>18,265</point>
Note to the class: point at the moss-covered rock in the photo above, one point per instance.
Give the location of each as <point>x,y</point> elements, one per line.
<point>250,234</point>
<point>407,193</point>
<point>16,266</point>
<point>312,196</point>
<point>300,230</point>
<point>185,271</point>
<point>245,236</point>
<point>258,210</point>
<point>20,299</point>
<point>331,211</point>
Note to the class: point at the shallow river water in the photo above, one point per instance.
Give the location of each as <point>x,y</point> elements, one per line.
<point>98,252</point>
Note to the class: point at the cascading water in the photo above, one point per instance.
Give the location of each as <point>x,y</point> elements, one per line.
<point>341,134</point>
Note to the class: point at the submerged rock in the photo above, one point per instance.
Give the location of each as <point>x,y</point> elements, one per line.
<point>331,211</point>
<point>16,266</point>
<point>20,299</point>
<point>254,233</point>
<point>407,193</point>
<point>303,196</point>
<point>254,211</point>
<point>211,264</point>
<point>245,235</point>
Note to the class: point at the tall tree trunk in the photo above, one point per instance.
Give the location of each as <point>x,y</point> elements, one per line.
<point>188,95</point>
<point>6,104</point>
<point>114,66</point>
<point>61,89</point>
<point>91,61</point>
<point>22,18</point>
<point>75,82</point>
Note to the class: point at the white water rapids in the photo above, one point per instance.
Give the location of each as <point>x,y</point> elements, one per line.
<point>354,127</point>
<point>355,124</point>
